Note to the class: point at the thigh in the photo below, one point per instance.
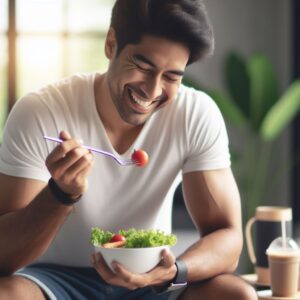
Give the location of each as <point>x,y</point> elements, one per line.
<point>17,287</point>
<point>225,287</point>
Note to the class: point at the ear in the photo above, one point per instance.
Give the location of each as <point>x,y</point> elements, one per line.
<point>110,44</point>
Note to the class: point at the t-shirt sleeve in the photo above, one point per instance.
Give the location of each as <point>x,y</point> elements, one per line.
<point>23,150</point>
<point>207,139</point>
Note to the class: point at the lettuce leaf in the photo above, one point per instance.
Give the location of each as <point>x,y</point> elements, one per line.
<point>135,238</point>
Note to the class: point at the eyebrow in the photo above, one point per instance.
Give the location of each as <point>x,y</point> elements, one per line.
<point>143,59</point>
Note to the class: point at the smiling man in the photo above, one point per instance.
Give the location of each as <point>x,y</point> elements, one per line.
<point>146,82</point>
<point>52,195</point>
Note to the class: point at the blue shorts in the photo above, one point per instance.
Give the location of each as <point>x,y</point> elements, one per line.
<point>76,283</point>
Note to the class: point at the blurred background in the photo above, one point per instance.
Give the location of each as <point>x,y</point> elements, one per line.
<point>252,75</point>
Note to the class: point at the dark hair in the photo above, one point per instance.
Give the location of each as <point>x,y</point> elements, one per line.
<point>184,21</point>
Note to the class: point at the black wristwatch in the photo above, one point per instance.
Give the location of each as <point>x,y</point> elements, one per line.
<point>59,195</point>
<point>179,281</point>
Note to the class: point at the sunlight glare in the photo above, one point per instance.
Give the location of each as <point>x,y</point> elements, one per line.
<point>39,60</point>
<point>3,16</point>
<point>96,17</point>
<point>39,15</point>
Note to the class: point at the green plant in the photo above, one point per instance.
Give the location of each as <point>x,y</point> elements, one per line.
<point>253,105</point>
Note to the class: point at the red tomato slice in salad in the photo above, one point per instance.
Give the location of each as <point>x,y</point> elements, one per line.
<point>117,238</point>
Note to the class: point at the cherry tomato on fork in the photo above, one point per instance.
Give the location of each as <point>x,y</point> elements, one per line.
<point>140,157</point>
<point>117,238</point>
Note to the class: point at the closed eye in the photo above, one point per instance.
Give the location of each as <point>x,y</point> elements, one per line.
<point>142,68</point>
<point>173,79</point>
<point>147,66</point>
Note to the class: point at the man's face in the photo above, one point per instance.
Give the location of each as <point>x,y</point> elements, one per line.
<point>145,77</point>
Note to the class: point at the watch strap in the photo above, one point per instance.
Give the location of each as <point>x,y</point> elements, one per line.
<point>181,275</point>
<point>59,195</point>
<point>179,281</point>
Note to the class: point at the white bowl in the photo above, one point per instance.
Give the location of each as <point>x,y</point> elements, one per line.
<point>135,260</point>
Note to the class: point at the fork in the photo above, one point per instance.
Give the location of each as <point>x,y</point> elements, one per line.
<point>122,162</point>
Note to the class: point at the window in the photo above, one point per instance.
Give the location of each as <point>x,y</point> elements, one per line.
<point>44,40</point>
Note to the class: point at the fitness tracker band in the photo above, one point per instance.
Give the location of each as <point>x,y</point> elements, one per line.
<point>59,195</point>
<point>179,281</point>
<point>181,275</point>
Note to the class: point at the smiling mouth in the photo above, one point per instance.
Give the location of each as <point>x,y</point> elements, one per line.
<point>140,103</point>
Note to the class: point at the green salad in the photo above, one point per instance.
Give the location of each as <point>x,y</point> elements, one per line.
<point>134,238</point>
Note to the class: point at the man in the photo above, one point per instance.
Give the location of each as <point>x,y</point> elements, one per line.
<point>138,103</point>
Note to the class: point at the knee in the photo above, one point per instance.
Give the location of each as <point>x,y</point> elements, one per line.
<point>225,287</point>
<point>245,292</point>
<point>236,288</point>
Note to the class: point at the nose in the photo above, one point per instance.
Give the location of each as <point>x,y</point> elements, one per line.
<point>152,88</point>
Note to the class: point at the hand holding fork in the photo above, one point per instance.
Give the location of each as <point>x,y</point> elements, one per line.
<point>122,162</point>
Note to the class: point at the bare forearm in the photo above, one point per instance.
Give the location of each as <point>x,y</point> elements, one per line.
<point>214,254</point>
<point>26,233</point>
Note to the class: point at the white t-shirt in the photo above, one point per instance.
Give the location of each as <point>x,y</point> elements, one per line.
<point>187,135</point>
